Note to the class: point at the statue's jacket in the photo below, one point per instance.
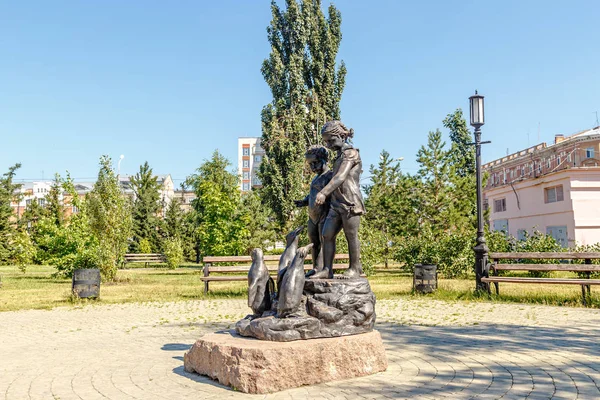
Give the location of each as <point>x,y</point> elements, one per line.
<point>347,199</point>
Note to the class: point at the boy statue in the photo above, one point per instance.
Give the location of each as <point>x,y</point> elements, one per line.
<point>317,158</point>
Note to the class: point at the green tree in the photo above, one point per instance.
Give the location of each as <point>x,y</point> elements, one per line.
<point>72,245</point>
<point>174,222</point>
<point>146,207</point>
<point>462,152</point>
<point>32,214</point>
<point>306,86</point>
<point>220,225</point>
<point>462,172</point>
<point>9,192</point>
<point>434,199</point>
<point>261,223</point>
<point>180,225</point>
<point>381,199</point>
<point>110,219</point>
<point>54,204</point>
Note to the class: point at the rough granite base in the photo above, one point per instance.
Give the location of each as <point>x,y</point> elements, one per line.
<point>258,366</point>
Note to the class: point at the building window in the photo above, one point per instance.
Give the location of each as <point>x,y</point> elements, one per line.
<point>557,161</point>
<point>501,225</point>
<point>256,181</point>
<point>589,152</point>
<point>499,205</point>
<point>523,170</point>
<point>28,202</point>
<point>246,151</point>
<point>522,234</point>
<point>246,175</point>
<point>75,209</point>
<point>257,159</point>
<point>553,194</point>
<point>42,202</point>
<point>246,163</point>
<point>548,164</point>
<point>246,186</point>
<point>559,233</point>
<point>569,157</point>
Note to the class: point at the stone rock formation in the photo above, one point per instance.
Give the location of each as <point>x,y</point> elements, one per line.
<point>329,308</point>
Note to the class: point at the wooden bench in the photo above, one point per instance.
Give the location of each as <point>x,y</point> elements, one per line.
<point>210,260</point>
<point>154,258</point>
<point>586,268</point>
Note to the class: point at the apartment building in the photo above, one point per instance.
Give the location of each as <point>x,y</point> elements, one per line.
<point>250,155</point>
<point>37,191</point>
<point>553,188</point>
<point>30,192</point>
<point>185,198</point>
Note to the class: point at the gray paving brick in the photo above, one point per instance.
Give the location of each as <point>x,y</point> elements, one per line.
<point>135,351</point>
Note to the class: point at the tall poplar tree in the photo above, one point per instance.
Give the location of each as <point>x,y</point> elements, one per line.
<point>109,212</point>
<point>307,88</point>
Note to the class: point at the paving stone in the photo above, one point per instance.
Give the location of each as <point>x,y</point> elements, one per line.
<point>136,351</point>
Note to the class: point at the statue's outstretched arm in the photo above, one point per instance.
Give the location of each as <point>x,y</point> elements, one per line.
<point>338,178</point>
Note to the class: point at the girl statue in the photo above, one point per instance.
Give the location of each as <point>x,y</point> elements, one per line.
<point>346,203</point>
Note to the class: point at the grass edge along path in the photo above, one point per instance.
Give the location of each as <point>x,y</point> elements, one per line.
<point>37,289</point>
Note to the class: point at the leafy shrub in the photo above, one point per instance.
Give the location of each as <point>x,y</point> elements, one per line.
<point>374,247</point>
<point>173,251</point>
<point>22,249</point>
<point>145,247</point>
<point>67,247</point>
<point>536,242</point>
<point>451,252</point>
<point>592,248</point>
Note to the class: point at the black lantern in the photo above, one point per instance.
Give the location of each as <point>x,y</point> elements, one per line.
<point>476,102</point>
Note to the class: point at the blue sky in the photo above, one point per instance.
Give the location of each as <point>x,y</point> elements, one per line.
<point>170,82</point>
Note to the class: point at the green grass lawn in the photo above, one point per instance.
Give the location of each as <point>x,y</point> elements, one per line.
<point>37,289</point>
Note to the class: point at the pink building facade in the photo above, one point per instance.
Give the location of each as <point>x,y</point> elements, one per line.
<point>553,189</point>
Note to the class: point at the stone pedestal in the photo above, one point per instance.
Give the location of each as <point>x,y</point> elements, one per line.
<point>259,366</point>
<point>329,308</point>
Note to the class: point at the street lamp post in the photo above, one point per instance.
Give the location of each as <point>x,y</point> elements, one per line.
<point>481,249</point>
<point>121,157</point>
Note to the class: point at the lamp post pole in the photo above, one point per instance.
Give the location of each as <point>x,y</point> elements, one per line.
<point>480,249</point>
<point>121,157</point>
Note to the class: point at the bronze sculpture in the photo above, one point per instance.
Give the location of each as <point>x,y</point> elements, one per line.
<point>320,306</point>
<point>260,284</point>
<point>317,157</point>
<point>346,203</point>
<point>292,285</point>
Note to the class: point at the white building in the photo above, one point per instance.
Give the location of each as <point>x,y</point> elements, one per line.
<point>32,191</point>
<point>37,191</point>
<point>250,155</point>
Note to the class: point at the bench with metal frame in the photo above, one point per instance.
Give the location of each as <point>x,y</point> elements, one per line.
<point>149,258</point>
<point>210,260</point>
<point>586,268</point>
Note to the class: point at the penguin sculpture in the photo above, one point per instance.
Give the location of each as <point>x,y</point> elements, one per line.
<point>292,284</point>
<point>291,246</point>
<point>260,284</point>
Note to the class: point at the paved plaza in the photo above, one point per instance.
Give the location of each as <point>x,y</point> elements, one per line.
<point>435,350</point>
